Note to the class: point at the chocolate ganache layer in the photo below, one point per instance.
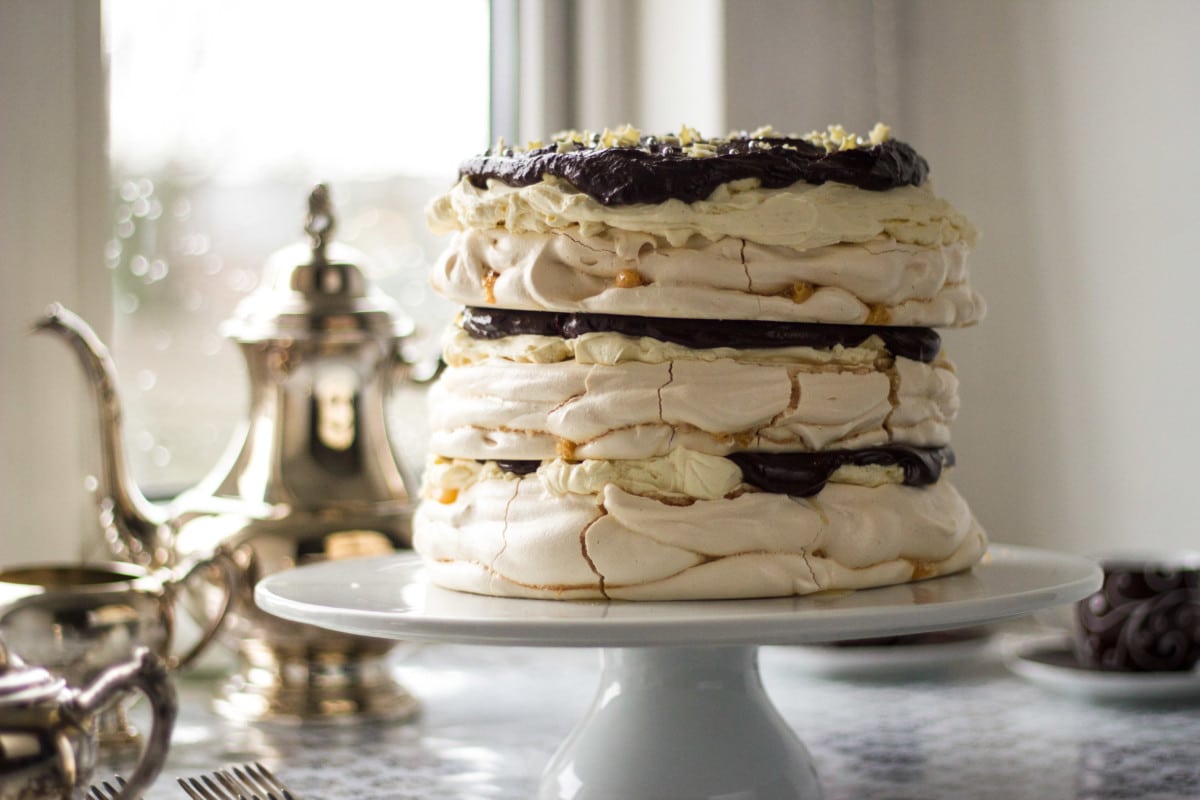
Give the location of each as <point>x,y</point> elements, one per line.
<point>655,172</point>
<point>805,474</point>
<point>918,344</point>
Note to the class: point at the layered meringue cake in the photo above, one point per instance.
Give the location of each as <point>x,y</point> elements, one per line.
<point>696,368</point>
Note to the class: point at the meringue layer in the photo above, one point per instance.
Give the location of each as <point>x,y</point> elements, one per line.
<point>515,537</point>
<point>728,278</point>
<point>634,409</point>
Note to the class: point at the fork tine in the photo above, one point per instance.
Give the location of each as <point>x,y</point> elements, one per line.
<point>235,782</point>
<point>192,788</point>
<point>222,787</point>
<point>203,787</point>
<point>106,790</point>
<point>249,781</point>
<point>234,785</point>
<point>271,780</point>
<point>258,781</point>
<point>263,785</point>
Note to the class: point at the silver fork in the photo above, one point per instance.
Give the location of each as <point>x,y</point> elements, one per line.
<point>106,790</point>
<point>238,782</point>
<point>207,787</point>
<point>256,777</point>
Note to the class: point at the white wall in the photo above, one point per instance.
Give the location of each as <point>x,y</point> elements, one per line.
<point>1067,132</point>
<point>53,218</point>
<point>655,64</point>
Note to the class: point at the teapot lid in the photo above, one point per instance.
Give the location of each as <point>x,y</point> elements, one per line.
<point>25,685</point>
<point>317,291</point>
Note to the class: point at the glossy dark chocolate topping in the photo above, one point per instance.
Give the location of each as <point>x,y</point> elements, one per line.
<point>919,344</point>
<point>805,474</point>
<point>656,172</point>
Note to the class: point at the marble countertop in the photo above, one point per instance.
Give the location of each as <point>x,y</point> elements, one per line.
<point>493,716</point>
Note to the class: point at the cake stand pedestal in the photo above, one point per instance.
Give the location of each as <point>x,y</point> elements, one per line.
<point>681,722</point>
<point>681,713</point>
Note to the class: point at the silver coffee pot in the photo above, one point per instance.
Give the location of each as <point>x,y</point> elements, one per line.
<point>47,729</point>
<point>310,475</point>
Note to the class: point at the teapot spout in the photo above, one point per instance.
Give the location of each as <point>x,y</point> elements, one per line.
<point>135,528</point>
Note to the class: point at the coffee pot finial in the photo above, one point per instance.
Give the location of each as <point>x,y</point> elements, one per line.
<point>321,222</point>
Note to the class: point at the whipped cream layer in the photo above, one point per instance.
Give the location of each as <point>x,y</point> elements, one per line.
<point>630,410</point>
<point>515,536</point>
<point>460,349</point>
<point>880,280</point>
<point>801,216</point>
<point>685,475</point>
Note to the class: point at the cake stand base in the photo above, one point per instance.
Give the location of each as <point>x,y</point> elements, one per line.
<point>672,723</point>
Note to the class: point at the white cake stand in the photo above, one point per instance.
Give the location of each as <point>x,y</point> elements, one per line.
<point>681,712</point>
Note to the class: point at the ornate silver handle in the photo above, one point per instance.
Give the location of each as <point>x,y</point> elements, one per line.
<point>231,580</point>
<point>146,673</point>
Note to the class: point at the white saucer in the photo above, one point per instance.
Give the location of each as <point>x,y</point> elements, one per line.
<point>1053,666</point>
<point>390,597</point>
<point>885,661</point>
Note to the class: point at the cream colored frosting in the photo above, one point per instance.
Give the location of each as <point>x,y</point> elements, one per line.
<point>801,216</point>
<point>632,410</point>
<point>681,474</point>
<point>460,349</point>
<point>516,537</point>
<point>730,278</point>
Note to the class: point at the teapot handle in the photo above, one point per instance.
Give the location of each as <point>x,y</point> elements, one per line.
<point>146,673</point>
<point>231,579</point>
<point>418,373</point>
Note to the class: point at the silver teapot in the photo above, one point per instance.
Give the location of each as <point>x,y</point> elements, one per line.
<point>47,729</point>
<point>310,475</point>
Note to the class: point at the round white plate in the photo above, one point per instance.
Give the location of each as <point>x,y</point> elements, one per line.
<point>390,597</point>
<point>1053,666</point>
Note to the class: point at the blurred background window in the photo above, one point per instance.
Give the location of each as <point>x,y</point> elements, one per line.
<point>1077,426</point>
<point>223,115</point>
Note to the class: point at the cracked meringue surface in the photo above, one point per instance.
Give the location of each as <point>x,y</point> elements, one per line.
<point>517,537</point>
<point>634,409</point>
<point>729,278</point>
